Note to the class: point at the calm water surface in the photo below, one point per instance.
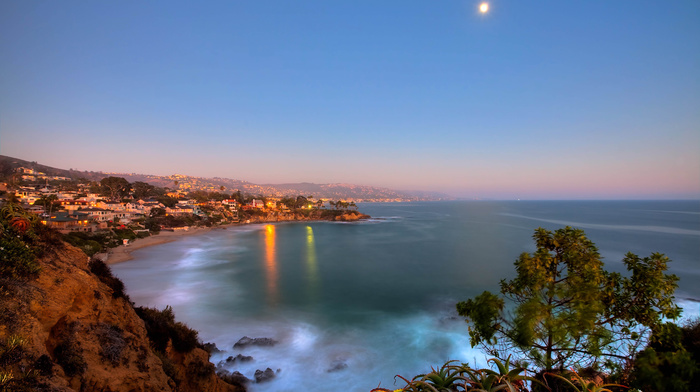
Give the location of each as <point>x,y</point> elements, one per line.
<point>353,304</point>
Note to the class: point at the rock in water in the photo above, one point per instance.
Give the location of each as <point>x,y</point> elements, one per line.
<point>337,366</point>
<point>246,341</point>
<point>239,358</point>
<point>262,376</point>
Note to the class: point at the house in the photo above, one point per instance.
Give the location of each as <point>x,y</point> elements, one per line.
<point>99,214</point>
<point>231,203</point>
<point>73,205</point>
<point>184,210</point>
<point>257,204</point>
<point>66,222</point>
<point>111,205</point>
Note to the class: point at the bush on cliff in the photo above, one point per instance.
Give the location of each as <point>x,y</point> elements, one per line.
<point>20,242</point>
<point>104,273</point>
<point>162,328</point>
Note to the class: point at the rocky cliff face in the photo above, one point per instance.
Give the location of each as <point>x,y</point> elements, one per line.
<point>66,331</point>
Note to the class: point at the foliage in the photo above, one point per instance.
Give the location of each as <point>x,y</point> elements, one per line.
<point>162,328</point>
<point>559,317</point>
<point>114,187</point>
<point>200,370</point>
<point>11,349</point>
<point>143,190</point>
<point>49,202</point>
<point>104,273</point>
<point>167,201</point>
<point>21,236</point>
<point>15,374</point>
<point>90,244</point>
<point>576,383</point>
<point>168,366</point>
<point>112,342</point>
<point>454,377</point>
<point>69,355</point>
<point>665,364</point>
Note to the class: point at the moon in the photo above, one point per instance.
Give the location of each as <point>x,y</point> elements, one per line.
<point>484,7</point>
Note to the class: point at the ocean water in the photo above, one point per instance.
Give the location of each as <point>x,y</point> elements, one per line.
<point>354,304</point>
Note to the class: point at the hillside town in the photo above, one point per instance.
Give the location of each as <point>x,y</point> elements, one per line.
<point>113,211</point>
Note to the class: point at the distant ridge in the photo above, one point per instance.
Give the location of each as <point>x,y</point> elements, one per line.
<point>8,165</point>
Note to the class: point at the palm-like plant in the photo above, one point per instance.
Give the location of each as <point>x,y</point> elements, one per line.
<point>449,377</point>
<point>580,385</point>
<point>452,377</point>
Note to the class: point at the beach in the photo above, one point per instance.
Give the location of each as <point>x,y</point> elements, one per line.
<point>122,253</point>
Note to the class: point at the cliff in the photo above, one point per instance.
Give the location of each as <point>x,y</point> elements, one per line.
<point>66,330</point>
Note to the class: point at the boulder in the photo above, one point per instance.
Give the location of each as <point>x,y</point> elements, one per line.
<point>263,376</point>
<point>246,341</point>
<point>239,358</point>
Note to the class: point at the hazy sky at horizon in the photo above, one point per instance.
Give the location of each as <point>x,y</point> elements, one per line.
<point>536,99</point>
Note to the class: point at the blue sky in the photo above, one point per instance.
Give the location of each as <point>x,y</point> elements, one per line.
<point>535,99</point>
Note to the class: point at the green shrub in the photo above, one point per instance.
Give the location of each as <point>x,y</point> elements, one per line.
<point>666,364</point>
<point>18,259</point>
<point>184,338</point>
<point>162,328</point>
<point>104,273</point>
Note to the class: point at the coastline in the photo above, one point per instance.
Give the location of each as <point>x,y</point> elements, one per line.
<point>122,253</point>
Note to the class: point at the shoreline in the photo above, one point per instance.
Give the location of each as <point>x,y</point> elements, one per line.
<point>122,253</point>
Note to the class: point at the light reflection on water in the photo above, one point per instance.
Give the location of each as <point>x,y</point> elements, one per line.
<point>311,265</point>
<point>378,296</point>
<point>271,265</point>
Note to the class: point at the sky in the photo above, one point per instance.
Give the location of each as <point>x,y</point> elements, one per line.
<point>533,100</point>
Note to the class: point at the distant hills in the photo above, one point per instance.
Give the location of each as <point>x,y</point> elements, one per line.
<point>8,166</point>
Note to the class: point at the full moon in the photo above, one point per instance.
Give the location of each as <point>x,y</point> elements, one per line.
<point>484,7</point>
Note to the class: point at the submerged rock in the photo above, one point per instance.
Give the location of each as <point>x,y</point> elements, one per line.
<point>233,378</point>
<point>246,341</point>
<point>239,358</point>
<point>337,366</point>
<point>263,376</point>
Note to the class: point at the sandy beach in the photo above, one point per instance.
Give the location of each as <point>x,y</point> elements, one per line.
<point>122,253</point>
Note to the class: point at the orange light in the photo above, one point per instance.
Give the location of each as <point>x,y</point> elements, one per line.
<point>271,263</point>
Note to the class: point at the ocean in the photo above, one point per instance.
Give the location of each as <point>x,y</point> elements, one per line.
<point>354,304</point>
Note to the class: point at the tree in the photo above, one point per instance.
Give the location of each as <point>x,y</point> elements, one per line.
<point>144,190</point>
<point>114,187</point>
<point>567,310</point>
<point>666,365</point>
<point>48,202</point>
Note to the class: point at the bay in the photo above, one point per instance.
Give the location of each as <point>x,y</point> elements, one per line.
<point>354,304</point>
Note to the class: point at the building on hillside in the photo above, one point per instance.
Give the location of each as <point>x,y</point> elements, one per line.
<point>184,210</point>
<point>231,203</point>
<point>257,204</point>
<point>73,205</point>
<point>66,222</point>
<point>111,205</point>
<point>99,214</point>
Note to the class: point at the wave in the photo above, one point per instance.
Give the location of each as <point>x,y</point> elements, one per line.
<point>648,228</point>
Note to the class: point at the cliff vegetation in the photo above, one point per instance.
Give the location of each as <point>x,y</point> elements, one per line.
<point>66,323</point>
